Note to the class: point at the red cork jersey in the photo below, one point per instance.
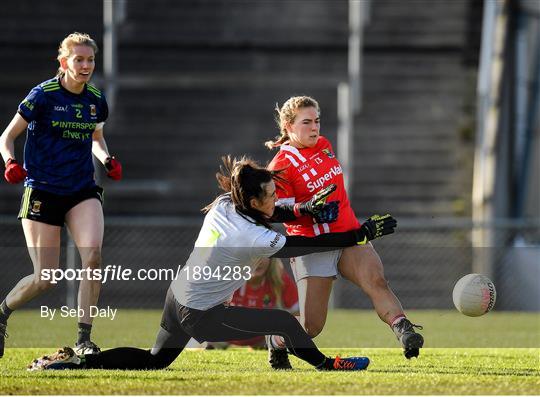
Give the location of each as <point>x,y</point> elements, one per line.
<point>305,172</point>
<point>264,297</point>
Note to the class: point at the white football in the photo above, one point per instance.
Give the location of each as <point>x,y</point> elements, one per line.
<point>474,295</point>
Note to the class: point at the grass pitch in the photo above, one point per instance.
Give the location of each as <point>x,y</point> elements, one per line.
<point>496,354</point>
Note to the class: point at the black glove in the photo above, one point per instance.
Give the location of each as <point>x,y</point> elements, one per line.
<point>316,203</point>
<point>328,213</point>
<point>376,226</point>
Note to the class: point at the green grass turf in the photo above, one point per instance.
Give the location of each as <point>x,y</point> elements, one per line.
<point>495,354</point>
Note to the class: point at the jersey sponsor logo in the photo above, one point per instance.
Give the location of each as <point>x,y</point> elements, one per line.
<point>67,134</point>
<point>318,184</point>
<point>276,239</point>
<point>74,124</point>
<point>58,108</point>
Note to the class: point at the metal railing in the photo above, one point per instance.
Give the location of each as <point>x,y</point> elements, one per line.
<point>422,260</point>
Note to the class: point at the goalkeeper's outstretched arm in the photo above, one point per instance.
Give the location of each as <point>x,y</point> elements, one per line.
<point>374,227</point>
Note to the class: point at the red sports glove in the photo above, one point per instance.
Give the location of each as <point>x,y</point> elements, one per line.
<point>14,173</point>
<point>114,168</point>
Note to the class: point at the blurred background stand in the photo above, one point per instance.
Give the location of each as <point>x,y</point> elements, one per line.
<point>191,81</point>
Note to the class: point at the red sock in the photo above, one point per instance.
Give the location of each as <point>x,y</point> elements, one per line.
<point>397,319</point>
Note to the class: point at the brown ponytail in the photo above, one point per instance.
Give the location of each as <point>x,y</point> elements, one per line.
<point>242,179</point>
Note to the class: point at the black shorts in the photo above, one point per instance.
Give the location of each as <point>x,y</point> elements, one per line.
<point>50,208</point>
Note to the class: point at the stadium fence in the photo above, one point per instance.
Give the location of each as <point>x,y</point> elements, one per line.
<point>422,261</point>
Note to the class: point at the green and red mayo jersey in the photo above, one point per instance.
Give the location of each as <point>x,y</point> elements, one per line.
<point>58,149</point>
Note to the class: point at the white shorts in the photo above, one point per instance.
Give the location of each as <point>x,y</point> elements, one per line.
<point>320,264</point>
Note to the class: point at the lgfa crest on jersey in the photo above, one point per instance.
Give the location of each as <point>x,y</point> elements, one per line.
<point>93,110</point>
<point>329,153</point>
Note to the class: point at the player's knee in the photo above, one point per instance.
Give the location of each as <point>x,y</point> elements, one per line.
<point>313,328</point>
<point>93,258</point>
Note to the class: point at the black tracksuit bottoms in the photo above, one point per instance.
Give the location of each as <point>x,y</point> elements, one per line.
<point>220,323</point>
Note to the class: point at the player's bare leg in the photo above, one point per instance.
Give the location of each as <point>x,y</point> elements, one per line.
<point>86,225</point>
<point>43,242</point>
<point>362,266</point>
<point>313,297</point>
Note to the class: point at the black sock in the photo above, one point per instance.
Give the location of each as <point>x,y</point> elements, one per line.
<point>84,333</point>
<point>327,364</point>
<point>5,311</point>
<point>130,358</point>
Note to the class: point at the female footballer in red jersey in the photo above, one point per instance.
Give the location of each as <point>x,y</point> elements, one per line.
<point>309,164</point>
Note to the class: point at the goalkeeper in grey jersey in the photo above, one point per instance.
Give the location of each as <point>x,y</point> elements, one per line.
<point>235,235</point>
